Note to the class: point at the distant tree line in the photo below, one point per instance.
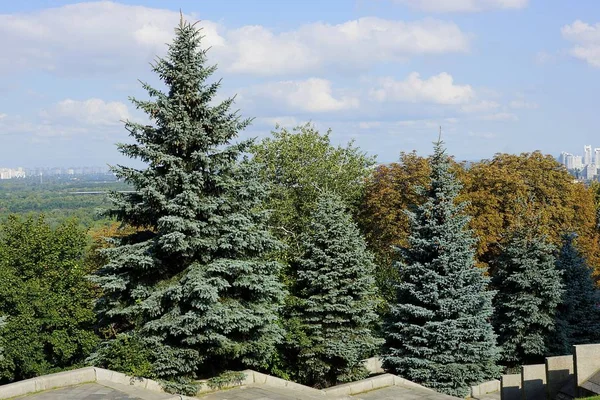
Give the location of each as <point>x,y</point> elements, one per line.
<point>299,258</point>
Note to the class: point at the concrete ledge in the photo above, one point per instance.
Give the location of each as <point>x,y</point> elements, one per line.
<point>17,389</point>
<point>75,377</point>
<point>112,378</point>
<point>253,378</point>
<point>51,381</point>
<point>485,388</point>
<point>376,382</point>
<point>66,378</point>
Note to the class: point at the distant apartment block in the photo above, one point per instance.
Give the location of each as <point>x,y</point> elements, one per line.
<point>10,173</point>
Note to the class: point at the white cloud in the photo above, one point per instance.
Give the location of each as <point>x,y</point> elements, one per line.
<point>500,116</point>
<point>481,106</point>
<point>312,95</point>
<point>523,104</point>
<point>88,37</point>
<point>2,116</point>
<point>34,128</point>
<point>482,135</point>
<point>463,5</point>
<point>100,37</point>
<point>438,89</point>
<point>369,124</point>
<point>352,44</point>
<point>586,38</point>
<point>428,123</point>
<point>91,111</point>
<point>285,121</point>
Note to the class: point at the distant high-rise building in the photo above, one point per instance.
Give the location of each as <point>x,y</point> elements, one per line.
<point>572,161</point>
<point>590,171</point>
<point>597,156</point>
<point>563,157</point>
<point>587,154</point>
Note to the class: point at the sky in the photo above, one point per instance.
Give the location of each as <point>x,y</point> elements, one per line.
<point>497,75</point>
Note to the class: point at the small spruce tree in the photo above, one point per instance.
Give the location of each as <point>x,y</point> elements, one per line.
<point>578,315</point>
<point>191,284</point>
<point>529,290</point>
<point>336,298</point>
<point>438,332</point>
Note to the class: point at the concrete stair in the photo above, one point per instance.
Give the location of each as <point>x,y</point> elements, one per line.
<point>561,378</point>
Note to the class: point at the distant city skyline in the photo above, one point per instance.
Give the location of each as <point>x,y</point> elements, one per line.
<point>385,73</point>
<point>586,165</point>
<point>21,172</point>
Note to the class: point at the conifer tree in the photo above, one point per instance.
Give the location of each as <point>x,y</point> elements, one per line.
<point>191,284</point>
<point>578,315</point>
<point>335,297</point>
<point>529,290</point>
<point>438,332</point>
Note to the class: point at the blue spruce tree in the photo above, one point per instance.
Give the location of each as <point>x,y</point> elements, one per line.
<point>438,333</point>
<point>335,298</point>
<point>192,286</point>
<point>529,290</point>
<point>578,315</point>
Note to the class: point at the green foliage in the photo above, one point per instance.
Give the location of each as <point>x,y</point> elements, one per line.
<point>126,354</point>
<point>225,379</point>
<point>529,290</point>
<point>299,165</point>
<point>191,281</point>
<point>438,331</point>
<point>578,315</point>
<point>46,302</point>
<point>335,299</point>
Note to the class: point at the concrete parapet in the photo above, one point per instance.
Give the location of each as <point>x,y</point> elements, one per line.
<point>398,381</point>
<point>485,387</point>
<point>17,389</point>
<point>365,385</point>
<point>51,381</point>
<point>510,387</point>
<point>559,372</point>
<point>374,365</point>
<point>253,377</point>
<point>66,378</point>
<point>533,385</point>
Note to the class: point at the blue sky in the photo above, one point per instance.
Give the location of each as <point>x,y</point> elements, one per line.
<point>497,75</point>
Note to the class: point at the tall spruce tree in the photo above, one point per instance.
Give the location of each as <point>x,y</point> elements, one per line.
<point>335,298</point>
<point>529,290</point>
<point>438,333</point>
<point>192,285</point>
<point>578,315</point>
